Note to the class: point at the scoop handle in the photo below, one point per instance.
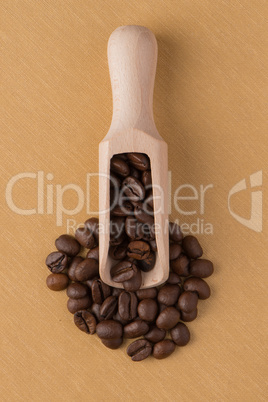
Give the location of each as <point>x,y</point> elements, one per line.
<point>132,58</point>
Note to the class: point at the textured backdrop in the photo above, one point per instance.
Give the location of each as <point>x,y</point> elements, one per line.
<point>210,106</point>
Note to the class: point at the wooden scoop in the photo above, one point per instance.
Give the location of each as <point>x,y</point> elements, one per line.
<point>132,57</point>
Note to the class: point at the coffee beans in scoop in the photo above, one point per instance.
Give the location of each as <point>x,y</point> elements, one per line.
<point>156,316</point>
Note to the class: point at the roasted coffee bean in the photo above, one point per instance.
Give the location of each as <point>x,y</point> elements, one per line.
<point>112,343</point>
<point>143,216</point>
<point>127,305</point>
<point>174,279</point>
<point>134,283</point>
<point>119,166</point>
<point>139,350</point>
<point>146,178</point>
<point>85,237</point>
<point>57,281</point>
<point>155,334</point>
<point>147,310</point>
<point>149,293</point>
<point>123,271</point>
<point>169,294</point>
<point>108,307</point>
<point>163,349</point>
<point>68,245</point>
<point>115,182</point>
<point>122,156</point>
<point>117,230</point>
<point>57,262</point>
<point>117,291</point>
<point>139,161</point>
<point>146,231</point>
<point>100,291</point>
<point>175,233</point>
<point>180,265</point>
<point>168,318</point>
<point>95,310</point>
<point>93,253</point>
<point>72,267</point>
<point>192,247</point>
<point>153,245</point>
<point>180,334</point>
<point>85,321</point>
<point>77,290</point>
<point>75,305</point>
<point>201,268</point>
<point>138,249</point>
<point>89,282</point>
<point>133,228</point>
<point>134,173</point>
<point>175,251</point>
<point>133,189</point>
<point>197,285</point>
<point>92,224</point>
<point>161,307</point>
<point>117,317</point>
<point>135,329</point>
<point>188,301</point>
<point>109,329</point>
<point>87,269</point>
<point>187,317</point>
<point>122,210</point>
<point>149,199</point>
<point>118,252</point>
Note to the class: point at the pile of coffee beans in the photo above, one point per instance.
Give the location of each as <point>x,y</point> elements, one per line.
<point>156,314</point>
<point>132,229</point>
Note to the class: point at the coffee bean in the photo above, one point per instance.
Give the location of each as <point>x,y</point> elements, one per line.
<point>139,161</point>
<point>133,189</point>
<point>149,293</point>
<point>199,286</point>
<point>122,156</point>
<point>169,294</point>
<point>174,279</point>
<point>75,305</point>
<point>85,321</point>
<point>117,291</point>
<point>134,283</point>
<point>163,349</point>
<point>117,317</point>
<point>72,267</point>
<point>135,329</point>
<point>138,249</point>
<point>123,271</point>
<point>112,343</point>
<point>143,216</point>
<point>146,178</point>
<point>77,290</point>
<point>92,224</point>
<point>153,245</point>
<point>95,310</point>
<point>147,310</point>
<point>94,253</point>
<point>115,182</point>
<point>109,329</point>
<point>139,350</point>
<point>161,307</point>
<point>201,268</point>
<point>188,301</point>
<point>100,291</point>
<point>127,305</point>
<point>175,251</point>
<point>168,318</point>
<point>180,334</point>
<point>155,334</point>
<point>85,237</point>
<point>175,233</point>
<point>87,269</point>
<point>187,317</point>
<point>68,245</point>
<point>108,307</point>
<point>117,230</point>
<point>118,252</point>
<point>119,166</point>
<point>56,262</point>
<point>134,173</point>
<point>133,228</point>
<point>124,209</point>
<point>180,265</point>
<point>192,247</point>
<point>57,281</point>
<point>146,231</point>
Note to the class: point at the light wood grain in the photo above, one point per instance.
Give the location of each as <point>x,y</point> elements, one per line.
<point>132,56</point>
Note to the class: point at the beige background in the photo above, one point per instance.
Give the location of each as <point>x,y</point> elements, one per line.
<point>211,107</point>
